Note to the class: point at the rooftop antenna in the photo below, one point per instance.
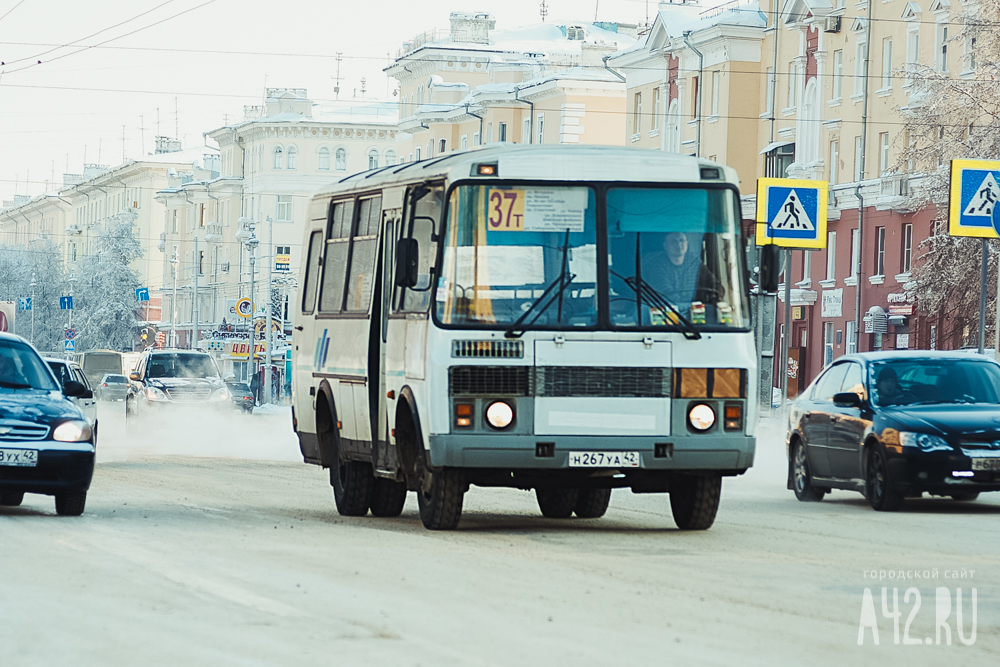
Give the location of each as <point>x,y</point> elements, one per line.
<point>177,132</point>
<point>544,11</point>
<point>123,143</point>
<point>362,86</point>
<point>596,5</point>
<point>142,135</point>
<point>336,79</point>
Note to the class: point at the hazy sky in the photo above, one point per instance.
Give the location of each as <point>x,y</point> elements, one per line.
<point>190,63</point>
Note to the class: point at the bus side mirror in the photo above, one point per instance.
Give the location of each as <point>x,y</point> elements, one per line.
<point>407,262</point>
<point>770,267</point>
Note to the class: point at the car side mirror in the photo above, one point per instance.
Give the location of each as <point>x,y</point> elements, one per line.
<point>847,399</point>
<point>770,267</point>
<point>407,262</point>
<point>74,389</point>
<point>133,376</point>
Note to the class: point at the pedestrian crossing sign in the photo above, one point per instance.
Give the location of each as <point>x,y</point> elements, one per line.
<point>975,194</point>
<point>791,212</point>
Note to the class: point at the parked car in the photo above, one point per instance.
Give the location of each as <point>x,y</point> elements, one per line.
<point>894,425</point>
<point>242,396</point>
<point>112,387</point>
<point>47,445</point>
<point>70,371</point>
<point>164,379</point>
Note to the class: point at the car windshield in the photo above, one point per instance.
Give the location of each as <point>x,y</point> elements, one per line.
<point>182,366</point>
<point>929,381</point>
<point>115,379</point>
<point>239,386</point>
<point>22,368</point>
<point>684,244</point>
<point>512,250</point>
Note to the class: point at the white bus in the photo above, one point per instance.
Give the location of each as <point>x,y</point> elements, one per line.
<point>564,319</point>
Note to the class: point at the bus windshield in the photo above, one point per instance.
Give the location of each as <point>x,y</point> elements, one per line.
<point>516,255</point>
<point>508,249</point>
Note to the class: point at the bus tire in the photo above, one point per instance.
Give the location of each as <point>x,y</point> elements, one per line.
<point>556,503</point>
<point>592,503</point>
<point>352,487</point>
<point>440,497</point>
<point>694,500</point>
<point>388,497</point>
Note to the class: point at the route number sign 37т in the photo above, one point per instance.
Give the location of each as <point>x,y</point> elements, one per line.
<point>536,209</point>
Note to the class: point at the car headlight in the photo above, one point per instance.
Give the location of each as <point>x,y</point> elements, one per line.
<point>499,414</point>
<point>220,395</point>
<point>924,442</point>
<point>701,417</point>
<point>154,394</point>
<point>72,431</point>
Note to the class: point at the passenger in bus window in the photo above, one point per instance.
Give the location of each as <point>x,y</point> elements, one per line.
<point>679,275</point>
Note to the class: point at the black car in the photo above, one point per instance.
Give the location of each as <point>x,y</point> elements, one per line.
<point>47,445</point>
<point>242,396</point>
<point>165,379</point>
<point>894,425</point>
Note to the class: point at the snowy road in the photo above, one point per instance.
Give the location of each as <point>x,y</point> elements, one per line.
<point>233,554</point>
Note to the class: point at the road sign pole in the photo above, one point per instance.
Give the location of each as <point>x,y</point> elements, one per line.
<point>788,332</point>
<point>982,299</point>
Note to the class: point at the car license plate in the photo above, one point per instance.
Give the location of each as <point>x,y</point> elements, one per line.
<point>986,464</point>
<point>604,459</point>
<point>26,458</point>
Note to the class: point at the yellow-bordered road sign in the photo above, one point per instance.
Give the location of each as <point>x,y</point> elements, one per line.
<point>244,308</point>
<point>975,192</point>
<point>791,212</point>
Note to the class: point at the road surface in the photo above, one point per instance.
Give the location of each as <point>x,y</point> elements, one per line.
<point>217,547</point>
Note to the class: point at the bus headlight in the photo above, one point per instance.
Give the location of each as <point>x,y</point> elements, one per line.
<point>499,415</point>
<point>701,417</point>
<point>72,431</point>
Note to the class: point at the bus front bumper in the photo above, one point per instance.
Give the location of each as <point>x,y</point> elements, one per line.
<point>730,453</point>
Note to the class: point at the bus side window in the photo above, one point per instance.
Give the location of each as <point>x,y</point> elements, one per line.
<point>423,224</point>
<point>331,295</point>
<point>364,245</point>
<point>311,276</point>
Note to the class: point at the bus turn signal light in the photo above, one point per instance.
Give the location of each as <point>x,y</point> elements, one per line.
<point>463,415</point>
<point>734,417</point>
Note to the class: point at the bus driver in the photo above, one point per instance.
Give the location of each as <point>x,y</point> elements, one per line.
<point>679,275</point>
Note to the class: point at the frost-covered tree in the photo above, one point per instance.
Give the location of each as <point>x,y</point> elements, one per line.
<point>952,117</point>
<point>107,309</point>
<point>40,260</point>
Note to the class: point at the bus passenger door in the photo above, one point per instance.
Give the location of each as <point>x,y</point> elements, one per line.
<point>383,457</point>
<point>310,343</point>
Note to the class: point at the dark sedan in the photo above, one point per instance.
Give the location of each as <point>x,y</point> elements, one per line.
<point>46,444</point>
<point>242,396</point>
<point>894,425</point>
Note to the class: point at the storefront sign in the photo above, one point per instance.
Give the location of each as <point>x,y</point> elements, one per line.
<point>833,303</point>
<point>901,310</point>
<point>896,297</point>
<point>241,349</point>
<point>902,341</point>
<point>282,262</point>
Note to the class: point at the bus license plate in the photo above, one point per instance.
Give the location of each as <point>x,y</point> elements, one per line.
<point>986,464</point>
<point>604,459</point>
<point>25,458</point>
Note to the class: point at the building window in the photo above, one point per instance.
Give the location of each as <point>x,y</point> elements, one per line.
<point>887,62</point>
<point>502,136</point>
<point>912,51</point>
<point>834,161</point>
<point>201,262</point>
<point>806,266</point>
<point>637,113</point>
<point>942,48</point>
<point>879,251</point>
<point>793,81</point>
<point>476,139</point>
<point>971,57</point>
<point>541,128</point>
<point>716,90</point>
<point>418,153</point>
<point>854,253</point>
<point>173,225</point>
<point>859,158</point>
<point>860,55</point>
<point>292,154</point>
<point>373,159</point>
<point>694,97</point>
<point>526,132</point>
<point>277,157</point>
<point>283,212</point>
<point>390,157</point>
<point>838,74</point>
<point>827,343</point>
<point>831,255</point>
<point>465,142</point>
<point>656,109</point>
<point>324,159</point>
<point>907,248</point>
<point>674,127</point>
<point>341,157</point>
<point>883,154</point>
<point>489,133</point>
<point>442,146</point>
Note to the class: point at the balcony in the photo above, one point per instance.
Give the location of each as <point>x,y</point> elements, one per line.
<point>213,232</point>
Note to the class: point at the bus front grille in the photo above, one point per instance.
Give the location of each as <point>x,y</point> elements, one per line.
<point>603,381</point>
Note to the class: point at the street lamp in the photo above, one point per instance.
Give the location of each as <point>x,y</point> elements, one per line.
<point>251,244</point>
<point>173,304</point>
<point>72,281</point>
<point>34,281</point>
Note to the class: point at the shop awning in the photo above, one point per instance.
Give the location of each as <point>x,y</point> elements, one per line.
<point>774,145</point>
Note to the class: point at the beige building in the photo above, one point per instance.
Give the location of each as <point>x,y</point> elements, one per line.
<point>474,85</point>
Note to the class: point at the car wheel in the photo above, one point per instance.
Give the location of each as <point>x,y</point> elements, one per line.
<point>878,486</point>
<point>557,503</point>
<point>965,497</point>
<point>694,500</point>
<point>71,502</point>
<point>592,503</point>
<point>11,498</point>
<point>802,478</point>
<point>440,497</point>
<point>388,497</point>
<point>352,487</point>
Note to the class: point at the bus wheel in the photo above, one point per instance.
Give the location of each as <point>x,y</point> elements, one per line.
<point>694,500</point>
<point>592,503</point>
<point>388,497</point>
<point>352,487</point>
<point>439,498</point>
<point>556,503</point>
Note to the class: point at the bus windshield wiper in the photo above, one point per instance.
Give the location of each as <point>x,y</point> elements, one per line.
<point>646,292</point>
<point>552,292</point>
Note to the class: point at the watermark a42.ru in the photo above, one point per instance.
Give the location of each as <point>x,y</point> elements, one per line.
<point>944,615</point>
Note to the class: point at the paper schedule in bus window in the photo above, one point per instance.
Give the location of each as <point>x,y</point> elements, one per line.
<point>537,209</point>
